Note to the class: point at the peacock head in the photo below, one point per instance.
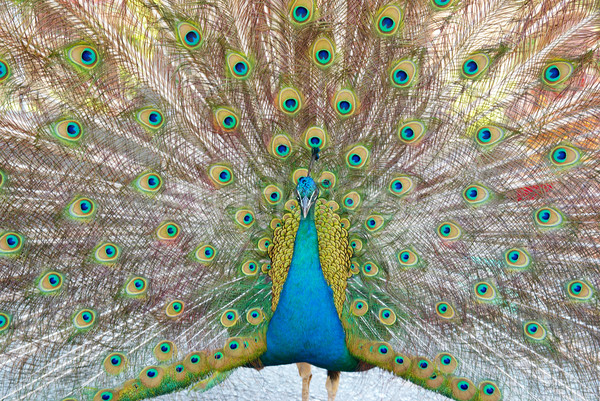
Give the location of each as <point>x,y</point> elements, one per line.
<point>307,193</point>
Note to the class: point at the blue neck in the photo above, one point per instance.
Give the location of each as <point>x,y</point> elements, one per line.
<point>305,326</point>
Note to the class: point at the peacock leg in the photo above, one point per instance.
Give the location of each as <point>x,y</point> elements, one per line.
<point>332,384</point>
<point>304,372</point>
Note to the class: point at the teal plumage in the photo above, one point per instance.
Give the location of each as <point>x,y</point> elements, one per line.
<point>188,188</point>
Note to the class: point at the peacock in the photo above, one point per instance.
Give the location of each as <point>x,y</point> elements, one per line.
<point>188,188</point>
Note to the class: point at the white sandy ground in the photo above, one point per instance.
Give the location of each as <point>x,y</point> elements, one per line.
<point>282,383</point>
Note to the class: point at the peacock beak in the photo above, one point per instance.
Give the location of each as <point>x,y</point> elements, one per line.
<point>305,204</point>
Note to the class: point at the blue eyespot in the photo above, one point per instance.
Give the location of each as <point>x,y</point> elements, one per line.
<point>484,135</point>
<point>154,118</point>
<point>88,56</point>
<point>301,14</point>
<point>471,67</point>
<point>344,106</point>
<point>192,38</point>
<point>229,122</point>
<point>386,24</point>
<point>400,77</point>
<point>552,74</point>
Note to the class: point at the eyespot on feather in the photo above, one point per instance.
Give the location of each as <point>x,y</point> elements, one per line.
<point>83,56</point>
<point>408,258</point>
<point>387,316</point>
<point>84,319</point>
<point>411,132</point>
<point>107,253</point>
<point>70,131</point>
<point>106,395</point>
<point>564,156</point>
<point>548,218</point>
<point>484,291</point>
<point>4,70</point>
<point>356,244</point>
<point>517,258</point>
<point>403,74</point>
<point>11,243</point>
<point>136,286</point>
<point>82,209</point>
<point>275,223</point>
<point>189,35</point>
<point>489,136</point>
<point>476,195</point>
<point>263,244</point>
<point>238,65</point>
<point>196,363</point>
<point>422,367</point>
<point>579,290</point>
<point>315,137</point>
<point>446,363</point>
<point>165,350</point>
<point>434,381</point>
<point>289,101</point>
<point>400,185</point>
<point>475,66</point>
<point>323,52</point>
<point>168,231</point>
<point>291,205</point>
<point>50,282</point>
<point>534,331</point>
<point>444,310</point>
<point>463,389</point>
<point>280,146</point>
<point>357,157</point>
<point>148,183</point>
<point>220,175</point>
<point>388,20</point>
<point>273,194</point>
<point>351,200</point>
<point>229,318</point>
<point>370,269</point>
<point>297,174</point>
<point>489,391</point>
<point>150,118</point>
<point>402,364</point>
<point>374,223</point>
<point>265,267</point>
<point>226,119</point>
<point>556,73</point>
<point>442,4</point>
<point>359,307</point>
<point>115,363</point>
<point>250,268</point>
<point>327,180</point>
<point>354,267</point>
<point>345,103</point>
<point>5,320</point>
<point>151,376</point>
<point>449,231</point>
<point>174,308</point>
<point>245,218</point>
<point>255,316</point>
<point>302,12</point>
<point>345,223</point>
